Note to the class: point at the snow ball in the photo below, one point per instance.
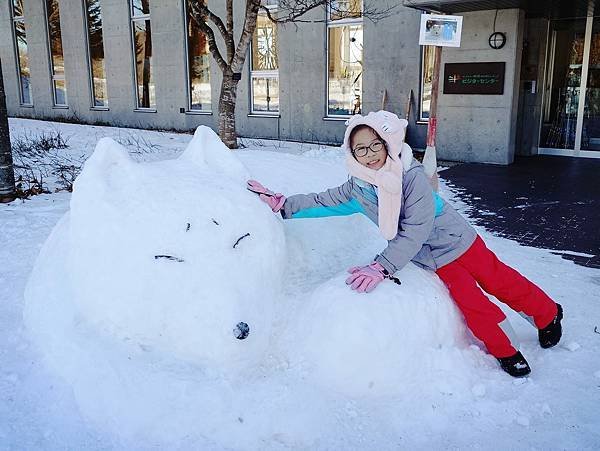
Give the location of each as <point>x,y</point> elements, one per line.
<point>479,390</point>
<point>522,420</point>
<point>546,410</point>
<point>381,342</point>
<point>573,346</point>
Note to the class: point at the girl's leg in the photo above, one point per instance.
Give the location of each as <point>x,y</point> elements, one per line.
<point>508,285</point>
<point>484,318</point>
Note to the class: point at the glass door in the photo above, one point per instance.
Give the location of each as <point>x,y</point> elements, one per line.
<point>571,121</point>
<point>590,133</point>
<point>563,85</point>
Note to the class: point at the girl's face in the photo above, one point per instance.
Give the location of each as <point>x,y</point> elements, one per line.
<point>368,149</point>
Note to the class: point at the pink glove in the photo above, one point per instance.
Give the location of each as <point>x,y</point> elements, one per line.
<point>365,278</point>
<point>273,200</point>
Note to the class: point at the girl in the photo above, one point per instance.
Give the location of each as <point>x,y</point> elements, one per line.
<point>389,186</point>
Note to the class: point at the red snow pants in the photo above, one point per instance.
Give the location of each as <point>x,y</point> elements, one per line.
<point>479,265</point>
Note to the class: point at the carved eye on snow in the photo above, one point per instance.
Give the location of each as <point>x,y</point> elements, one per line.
<point>241,330</point>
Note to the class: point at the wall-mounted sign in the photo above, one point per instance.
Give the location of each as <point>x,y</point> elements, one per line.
<point>440,30</point>
<point>474,78</point>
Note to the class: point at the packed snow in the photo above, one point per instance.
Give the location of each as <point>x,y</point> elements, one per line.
<point>131,338</point>
<point>152,256</point>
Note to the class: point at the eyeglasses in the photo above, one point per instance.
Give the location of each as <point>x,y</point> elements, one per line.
<point>362,151</point>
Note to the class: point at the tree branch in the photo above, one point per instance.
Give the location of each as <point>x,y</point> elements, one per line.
<point>230,43</point>
<point>230,15</point>
<point>252,7</point>
<point>225,33</point>
<point>292,10</point>
<point>200,20</point>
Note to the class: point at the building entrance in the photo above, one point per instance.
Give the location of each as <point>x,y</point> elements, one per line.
<point>571,113</point>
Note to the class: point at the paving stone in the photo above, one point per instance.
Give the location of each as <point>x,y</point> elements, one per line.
<point>544,201</point>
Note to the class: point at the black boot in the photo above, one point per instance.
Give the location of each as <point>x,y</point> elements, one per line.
<point>550,335</point>
<point>515,365</point>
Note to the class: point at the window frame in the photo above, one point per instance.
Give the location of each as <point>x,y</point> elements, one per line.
<point>138,18</point>
<point>53,76</point>
<point>337,23</point>
<point>93,106</point>
<point>422,119</point>
<point>189,109</point>
<point>14,19</point>
<point>274,74</point>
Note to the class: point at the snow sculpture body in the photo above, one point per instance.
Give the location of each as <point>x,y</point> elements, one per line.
<point>377,344</point>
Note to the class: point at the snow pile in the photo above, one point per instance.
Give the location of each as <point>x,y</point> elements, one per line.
<point>386,342</point>
<point>175,256</point>
<point>142,297</point>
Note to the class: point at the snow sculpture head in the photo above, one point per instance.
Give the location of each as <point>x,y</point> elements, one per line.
<point>173,255</point>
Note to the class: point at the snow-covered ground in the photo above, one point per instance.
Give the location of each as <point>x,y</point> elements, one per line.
<point>393,369</point>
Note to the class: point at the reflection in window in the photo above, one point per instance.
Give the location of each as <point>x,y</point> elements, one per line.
<point>198,55</point>
<point>345,9</point>
<point>345,55</point>
<point>21,52</point>
<point>96,54</point>
<point>427,57</point>
<point>142,43</point>
<point>264,68</point>
<point>57,62</point>
<point>140,7</point>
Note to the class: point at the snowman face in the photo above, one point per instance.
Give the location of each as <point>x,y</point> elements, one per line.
<point>160,257</point>
<point>436,30</point>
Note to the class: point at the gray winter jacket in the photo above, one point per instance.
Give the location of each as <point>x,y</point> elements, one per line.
<point>431,233</point>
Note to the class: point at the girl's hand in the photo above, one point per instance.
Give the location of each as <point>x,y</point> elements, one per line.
<point>274,200</point>
<point>364,279</point>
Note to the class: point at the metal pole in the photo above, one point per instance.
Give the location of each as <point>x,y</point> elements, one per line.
<point>584,77</point>
<point>7,175</point>
<point>430,157</point>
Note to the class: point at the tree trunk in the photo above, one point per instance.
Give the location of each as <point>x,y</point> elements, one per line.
<point>227,111</point>
<point>7,175</point>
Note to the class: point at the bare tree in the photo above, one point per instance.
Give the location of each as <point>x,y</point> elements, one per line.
<point>232,63</point>
<point>7,175</point>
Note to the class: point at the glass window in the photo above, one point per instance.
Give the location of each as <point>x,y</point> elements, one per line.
<point>265,94</point>
<point>344,81</point>
<point>140,8</point>
<point>264,45</point>
<point>17,8</point>
<point>142,46</point>
<point>198,55</point>
<point>57,63</point>
<point>96,54</point>
<point>21,51</point>
<point>264,67</point>
<point>345,9</point>
<point>427,57</point>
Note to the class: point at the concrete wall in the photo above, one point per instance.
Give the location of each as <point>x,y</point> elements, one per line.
<point>391,56</point>
<point>482,128</point>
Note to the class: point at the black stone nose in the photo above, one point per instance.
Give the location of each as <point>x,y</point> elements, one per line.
<point>241,331</point>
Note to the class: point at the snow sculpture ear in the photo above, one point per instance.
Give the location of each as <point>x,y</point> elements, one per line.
<point>108,156</point>
<point>207,149</point>
<point>108,153</point>
<point>103,172</point>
